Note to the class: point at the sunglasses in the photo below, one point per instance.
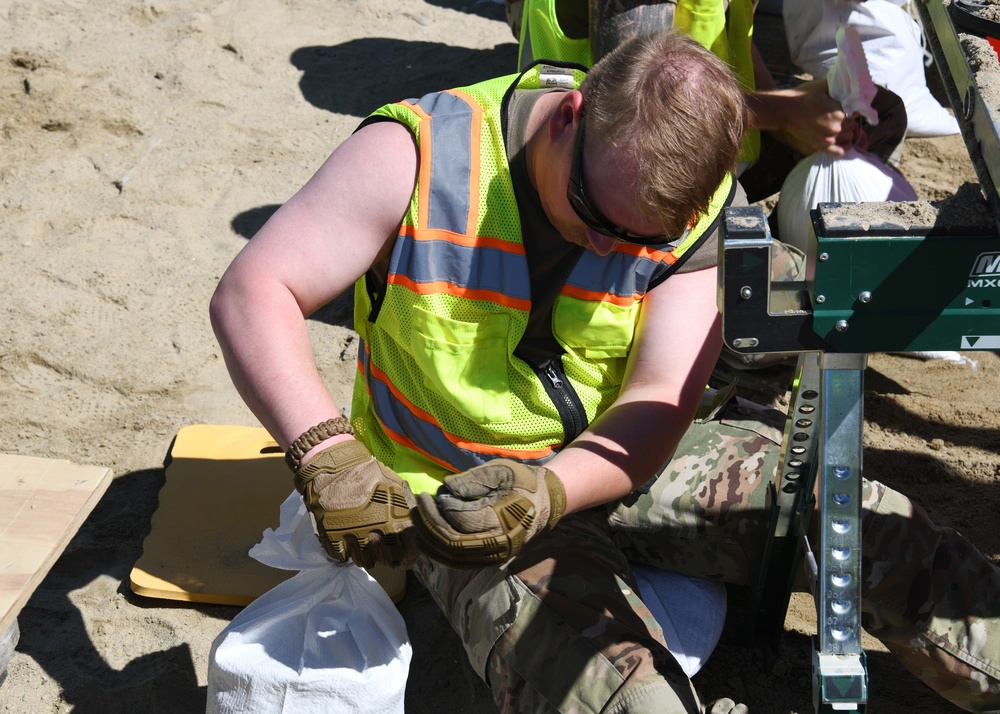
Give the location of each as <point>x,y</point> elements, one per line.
<point>593,218</point>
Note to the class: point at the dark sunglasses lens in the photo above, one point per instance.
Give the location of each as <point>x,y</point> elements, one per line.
<point>586,213</point>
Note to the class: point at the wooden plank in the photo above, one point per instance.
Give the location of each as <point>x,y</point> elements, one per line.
<point>43,503</point>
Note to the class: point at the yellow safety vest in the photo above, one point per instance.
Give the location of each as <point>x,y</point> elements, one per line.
<point>439,389</point>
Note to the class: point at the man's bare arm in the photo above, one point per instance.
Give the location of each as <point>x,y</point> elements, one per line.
<point>676,346</point>
<point>311,250</point>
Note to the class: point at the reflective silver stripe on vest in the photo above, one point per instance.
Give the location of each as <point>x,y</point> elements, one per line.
<point>475,268</point>
<point>451,167</point>
<point>425,435</point>
<point>618,274</point>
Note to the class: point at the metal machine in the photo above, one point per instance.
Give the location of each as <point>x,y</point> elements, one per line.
<point>880,277</point>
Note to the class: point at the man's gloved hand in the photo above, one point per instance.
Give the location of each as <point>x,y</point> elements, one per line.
<point>360,508</point>
<point>483,516</point>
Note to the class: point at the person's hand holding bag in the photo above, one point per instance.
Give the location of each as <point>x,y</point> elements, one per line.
<point>360,508</point>
<point>484,516</point>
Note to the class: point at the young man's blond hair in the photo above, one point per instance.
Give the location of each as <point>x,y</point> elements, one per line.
<point>674,110</point>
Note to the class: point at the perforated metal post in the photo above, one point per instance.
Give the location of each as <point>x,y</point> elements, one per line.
<point>841,682</point>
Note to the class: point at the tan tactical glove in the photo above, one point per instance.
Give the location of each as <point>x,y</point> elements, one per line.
<point>360,508</point>
<point>483,516</point>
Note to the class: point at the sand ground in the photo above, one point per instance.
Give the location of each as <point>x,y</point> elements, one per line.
<point>141,144</point>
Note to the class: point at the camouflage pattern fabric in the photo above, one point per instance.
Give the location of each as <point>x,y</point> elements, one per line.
<point>560,628</point>
<point>706,513</point>
<point>932,599</point>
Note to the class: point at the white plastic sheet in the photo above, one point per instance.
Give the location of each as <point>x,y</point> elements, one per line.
<point>849,80</point>
<point>328,639</point>
<point>945,355</point>
<point>892,43</point>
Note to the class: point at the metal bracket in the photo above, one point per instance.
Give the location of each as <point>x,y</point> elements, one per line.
<point>757,314</point>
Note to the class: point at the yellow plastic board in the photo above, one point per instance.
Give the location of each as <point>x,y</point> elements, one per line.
<point>223,488</point>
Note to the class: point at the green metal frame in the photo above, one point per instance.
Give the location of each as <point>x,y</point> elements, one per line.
<point>884,286</point>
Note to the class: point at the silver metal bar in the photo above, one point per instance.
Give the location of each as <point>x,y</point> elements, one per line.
<point>841,682</point>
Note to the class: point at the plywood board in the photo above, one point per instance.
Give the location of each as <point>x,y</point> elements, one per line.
<point>43,503</point>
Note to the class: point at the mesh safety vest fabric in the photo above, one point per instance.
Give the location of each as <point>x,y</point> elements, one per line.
<point>726,29</point>
<point>439,390</point>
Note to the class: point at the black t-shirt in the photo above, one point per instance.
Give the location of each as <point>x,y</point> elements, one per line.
<point>550,256</point>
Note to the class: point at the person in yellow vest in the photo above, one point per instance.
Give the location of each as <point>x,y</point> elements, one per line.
<point>785,123</point>
<point>535,296</point>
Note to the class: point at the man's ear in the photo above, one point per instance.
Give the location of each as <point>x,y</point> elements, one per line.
<point>566,115</point>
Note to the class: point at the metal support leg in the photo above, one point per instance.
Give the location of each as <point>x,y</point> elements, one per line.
<point>822,454</point>
<point>791,503</point>
<point>841,679</point>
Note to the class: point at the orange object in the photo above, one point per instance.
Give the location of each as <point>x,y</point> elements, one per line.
<point>995,44</point>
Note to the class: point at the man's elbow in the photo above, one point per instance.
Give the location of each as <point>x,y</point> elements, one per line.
<point>220,305</point>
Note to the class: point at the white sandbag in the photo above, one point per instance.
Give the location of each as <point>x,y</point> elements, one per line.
<point>328,639</point>
<point>690,611</point>
<point>891,40</point>
<point>856,177</point>
<point>8,641</point>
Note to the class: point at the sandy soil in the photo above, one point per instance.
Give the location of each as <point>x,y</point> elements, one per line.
<point>142,144</point>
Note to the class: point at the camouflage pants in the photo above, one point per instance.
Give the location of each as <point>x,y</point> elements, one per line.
<point>561,629</point>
